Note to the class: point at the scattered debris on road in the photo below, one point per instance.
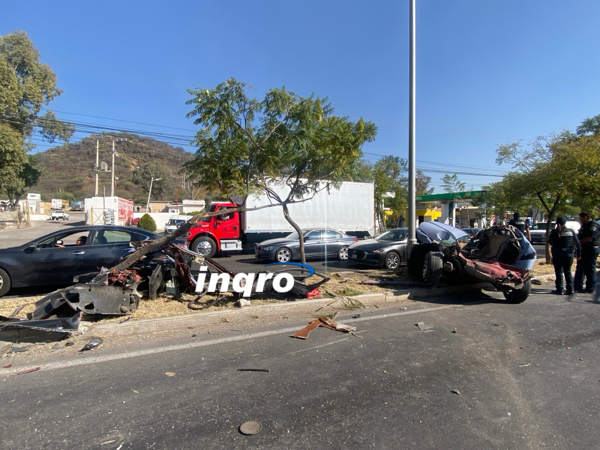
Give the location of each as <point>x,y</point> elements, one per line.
<point>92,344</point>
<point>170,374</point>
<point>254,370</point>
<point>455,391</point>
<point>251,427</point>
<point>324,322</point>
<point>33,369</point>
<point>424,327</point>
<point>14,329</point>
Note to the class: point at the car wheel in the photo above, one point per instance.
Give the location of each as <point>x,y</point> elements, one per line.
<point>518,295</point>
<point>343,253</point>
<point>433,267</point>
<point>4,283</point>
<point>205,245</point>
<point>392,260</point>
<point>283,255</point>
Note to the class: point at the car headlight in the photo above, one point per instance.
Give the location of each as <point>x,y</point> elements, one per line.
<point>377,250</point>
<point>268,249</point>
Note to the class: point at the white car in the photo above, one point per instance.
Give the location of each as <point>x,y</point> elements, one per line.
<point>175,221</point>
<point>538,230</point>
<point>59,214</point>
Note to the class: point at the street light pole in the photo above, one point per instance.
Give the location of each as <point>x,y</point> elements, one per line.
<point>114,153</point>
<point>97,168</point>
<point>152,180</point>
<point>412,234</point>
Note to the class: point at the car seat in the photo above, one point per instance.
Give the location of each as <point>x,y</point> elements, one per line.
<point>100,240</point>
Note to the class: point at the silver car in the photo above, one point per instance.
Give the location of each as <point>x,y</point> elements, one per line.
<point>318,243</point>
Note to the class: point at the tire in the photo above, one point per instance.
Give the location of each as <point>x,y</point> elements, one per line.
<point>283,255</point>
<point>392,261</point>
<point>4,283</point>
<point>343,253</point>
<point>415,263</point>
<point>433,267</point>
<point>205,245</point>
<point>518,295</point>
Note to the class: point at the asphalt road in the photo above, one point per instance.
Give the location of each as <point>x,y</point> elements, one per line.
<point>484,376</point>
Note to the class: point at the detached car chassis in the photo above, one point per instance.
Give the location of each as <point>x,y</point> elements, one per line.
<point>499,255</point>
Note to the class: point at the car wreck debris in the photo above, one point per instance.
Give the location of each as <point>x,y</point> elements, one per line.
<point>250,427</point>
<point>47,330</point>
<point>92,344</point>
<point>324,322</point>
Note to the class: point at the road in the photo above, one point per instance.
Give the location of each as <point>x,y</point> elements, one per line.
<point>486,375</point>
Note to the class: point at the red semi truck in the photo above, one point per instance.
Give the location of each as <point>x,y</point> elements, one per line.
<point>350,209</point>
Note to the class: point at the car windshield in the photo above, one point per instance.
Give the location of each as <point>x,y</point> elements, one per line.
<point>392,235</point>
<point>293,236</point>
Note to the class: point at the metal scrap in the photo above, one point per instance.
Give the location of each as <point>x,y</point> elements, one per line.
<point>46,330</point>
<point>324,322</point>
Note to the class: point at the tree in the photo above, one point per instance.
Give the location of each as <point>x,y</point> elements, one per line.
<point>143,175</point>
<point>422,183</point>
<point>452,185</point>
<point>389,176</point>
<point>249,146</point>
<point>26,86</point>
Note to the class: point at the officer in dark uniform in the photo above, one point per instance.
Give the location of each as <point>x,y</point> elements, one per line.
<point>589,236</point>
<point>522,225</point>
<point>565,245</point>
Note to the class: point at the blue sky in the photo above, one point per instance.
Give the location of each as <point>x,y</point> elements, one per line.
<point>488,72</point>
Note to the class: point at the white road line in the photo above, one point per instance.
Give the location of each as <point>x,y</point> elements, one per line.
<point>171,348</point>
<point>318,346</point>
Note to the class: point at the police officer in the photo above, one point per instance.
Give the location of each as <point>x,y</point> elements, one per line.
<point>565,246</point>
<point>522,225</point>
<point>589,236</point>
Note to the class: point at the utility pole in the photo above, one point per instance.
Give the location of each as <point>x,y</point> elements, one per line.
<point>412,233</point>
<point>114,153</point>
<point>97,167</point>
<point>152,180</point>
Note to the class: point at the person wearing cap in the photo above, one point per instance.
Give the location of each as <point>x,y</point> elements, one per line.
<point>565,246</point>
<point>589,237</point>
<point>522,225</point>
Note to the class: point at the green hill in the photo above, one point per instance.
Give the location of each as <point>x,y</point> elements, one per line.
<point>68,171</point>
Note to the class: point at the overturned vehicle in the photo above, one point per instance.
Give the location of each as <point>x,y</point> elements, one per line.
<point>500,255</point>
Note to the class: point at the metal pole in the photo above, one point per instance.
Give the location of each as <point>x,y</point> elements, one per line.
<point>412,135</point>
<point>97,165</point>
<point>149,192</point>
<point>112,180</point>
<point>104,203</point>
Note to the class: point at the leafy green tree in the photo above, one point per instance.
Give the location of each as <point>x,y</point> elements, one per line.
<point>26,86</point>
<point>422,183</point>
<point>247,146</point>
<point>452,185</point>
<point>389,176</point>
<point>146,222</point>
<point>142,176</point>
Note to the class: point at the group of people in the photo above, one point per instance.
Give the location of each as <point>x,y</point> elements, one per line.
<point>567,245</point>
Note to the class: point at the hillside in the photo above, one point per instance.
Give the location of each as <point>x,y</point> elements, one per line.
<point>68,171</point>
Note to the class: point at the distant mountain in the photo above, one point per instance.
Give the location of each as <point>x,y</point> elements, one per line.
<point>69,169</point>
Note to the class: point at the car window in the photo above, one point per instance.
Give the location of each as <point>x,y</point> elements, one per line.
<point>315,234</point>
<point>331,234</point>
<point>68,238</point>
<point>117,237</point>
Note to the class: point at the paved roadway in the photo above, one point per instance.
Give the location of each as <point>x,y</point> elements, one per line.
<point>487,375</point>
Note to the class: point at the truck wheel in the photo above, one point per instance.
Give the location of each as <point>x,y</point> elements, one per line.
<point>433,267</point>
<point>205,245</point>
<point>343,253</point>
<point>518,295</point>
<point>4,283</point>
<point>283,255</point>
<point>392,261</point>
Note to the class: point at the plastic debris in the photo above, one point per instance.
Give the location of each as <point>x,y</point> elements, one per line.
<point>455,391</point>
<point>324,322</point>
<point>170,374</point>
<point>33,369</point>
<point>92,344</point>
<point>424,327</point>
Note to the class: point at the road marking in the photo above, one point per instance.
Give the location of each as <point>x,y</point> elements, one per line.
<point>171,348</point>
<point>318,346</point>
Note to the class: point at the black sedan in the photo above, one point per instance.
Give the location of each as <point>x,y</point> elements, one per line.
<point>56,258</point>
<point>318,243</point>
<point>386,250</point>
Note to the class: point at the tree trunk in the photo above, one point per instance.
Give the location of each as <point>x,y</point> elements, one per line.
<point>286,214</point>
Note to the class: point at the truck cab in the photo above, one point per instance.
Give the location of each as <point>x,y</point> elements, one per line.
<point>216,233</point>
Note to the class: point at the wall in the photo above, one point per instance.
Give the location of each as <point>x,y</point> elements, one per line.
<point>160,219</point>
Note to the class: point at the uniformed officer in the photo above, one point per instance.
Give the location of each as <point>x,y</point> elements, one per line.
<point>565,245</point>
<point>522,225</point>
<point>589,236</point>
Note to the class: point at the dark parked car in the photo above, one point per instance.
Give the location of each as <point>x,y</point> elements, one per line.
<point>385,250</point>
<point>56,258</point>
<point>318,243</point>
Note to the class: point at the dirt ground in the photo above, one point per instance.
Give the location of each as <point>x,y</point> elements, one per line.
<point>345,284</point>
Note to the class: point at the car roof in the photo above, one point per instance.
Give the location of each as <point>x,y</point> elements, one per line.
<point>432,230</point>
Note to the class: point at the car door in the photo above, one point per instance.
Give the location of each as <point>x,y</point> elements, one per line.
<point>332,241</point>
<point>228,225</point>
<point>51,264</point>
<point>107,246</point>
<point>313,244</point>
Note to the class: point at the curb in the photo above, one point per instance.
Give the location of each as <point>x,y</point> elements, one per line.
<point>268,310</point>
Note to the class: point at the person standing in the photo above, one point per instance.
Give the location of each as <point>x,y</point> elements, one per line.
<point>589,237</point>
<point>519,223</point>
<point>565,246</point>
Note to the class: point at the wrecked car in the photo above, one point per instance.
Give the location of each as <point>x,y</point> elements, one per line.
<point>500,255</point>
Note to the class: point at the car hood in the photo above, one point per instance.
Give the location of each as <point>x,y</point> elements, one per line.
<point>373,244</point>
<point>440,231</point>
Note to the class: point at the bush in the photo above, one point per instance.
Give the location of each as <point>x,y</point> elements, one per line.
<point>146,222</point>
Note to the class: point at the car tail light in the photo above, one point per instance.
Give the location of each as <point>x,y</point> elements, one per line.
<point>355,239</point>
